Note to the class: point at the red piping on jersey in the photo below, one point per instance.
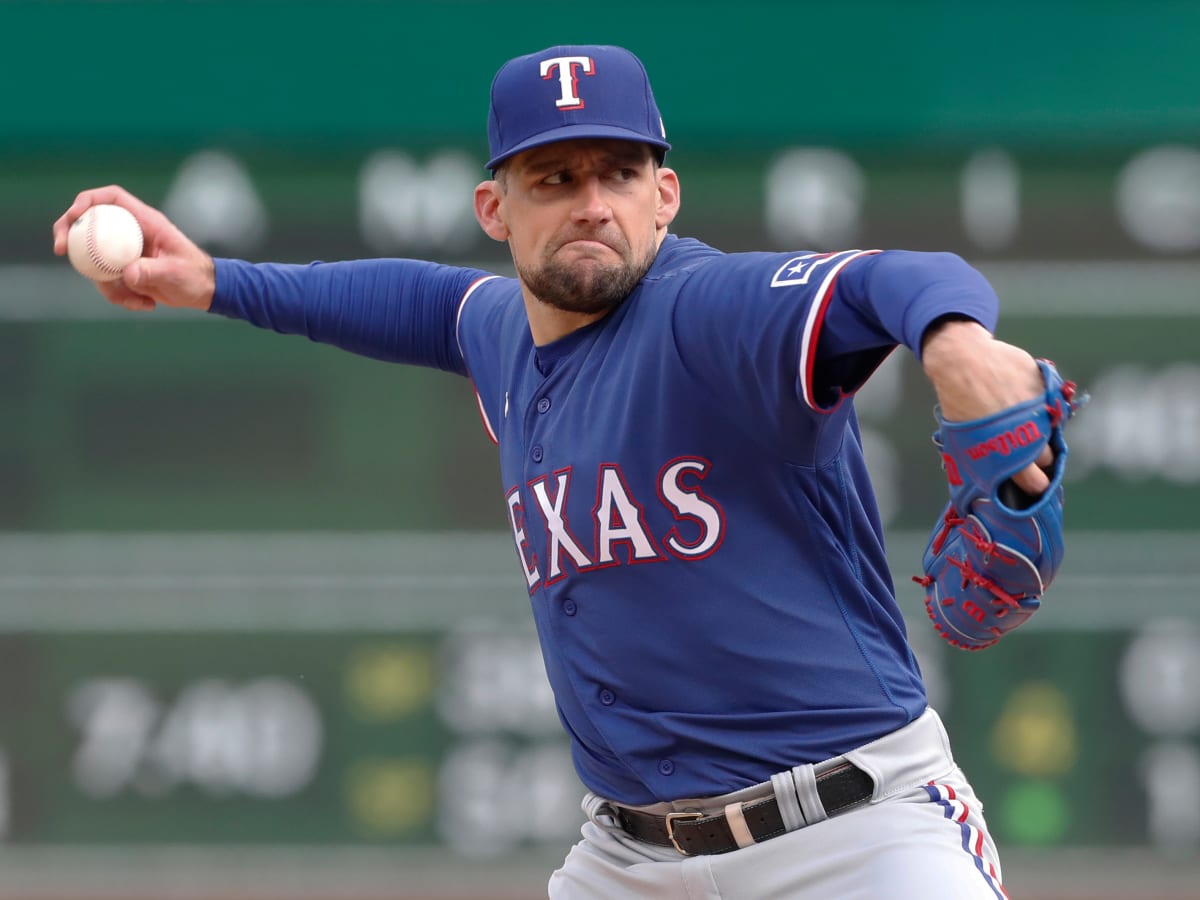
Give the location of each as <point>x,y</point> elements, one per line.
<point>818,314</point>
<point>487,425</point>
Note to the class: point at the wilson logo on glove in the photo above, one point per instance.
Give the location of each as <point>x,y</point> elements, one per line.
<point>1008,442</point>
<point>995,550</point>
<point>951,468</point>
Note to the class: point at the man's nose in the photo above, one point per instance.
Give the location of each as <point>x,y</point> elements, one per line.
<point>592,203</point>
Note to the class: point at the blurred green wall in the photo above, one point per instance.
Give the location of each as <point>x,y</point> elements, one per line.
<point>761,72</point>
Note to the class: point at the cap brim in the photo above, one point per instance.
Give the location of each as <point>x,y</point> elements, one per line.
<point>578,133</point>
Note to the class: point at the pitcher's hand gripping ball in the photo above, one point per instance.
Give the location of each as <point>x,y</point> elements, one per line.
<point>103,241</point>
<point>996,549</point>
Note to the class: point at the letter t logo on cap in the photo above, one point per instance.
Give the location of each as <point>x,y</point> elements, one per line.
<point>568,77</point>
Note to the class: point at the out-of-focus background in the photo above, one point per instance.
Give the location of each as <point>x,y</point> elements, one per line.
<point>261,631</point>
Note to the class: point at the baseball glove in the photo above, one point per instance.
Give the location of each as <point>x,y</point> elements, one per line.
<point>996,549</point>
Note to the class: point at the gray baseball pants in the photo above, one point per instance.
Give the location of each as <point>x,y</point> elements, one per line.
<point>922,835</point>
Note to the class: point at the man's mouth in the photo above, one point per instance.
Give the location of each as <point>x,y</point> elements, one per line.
<point>589,245</point>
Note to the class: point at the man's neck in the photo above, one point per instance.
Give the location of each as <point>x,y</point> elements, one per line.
<point>549,323</point>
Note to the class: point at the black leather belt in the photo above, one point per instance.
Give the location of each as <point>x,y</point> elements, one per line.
<point>695,834</point>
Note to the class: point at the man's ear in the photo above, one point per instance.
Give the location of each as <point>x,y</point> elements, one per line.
<point>487,210</point>
<point>668,198</point>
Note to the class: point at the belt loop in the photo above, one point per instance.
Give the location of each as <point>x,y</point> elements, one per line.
<point>736,821</point>
<point>789,804</point>
<point>601,812</point>
<point>806,792</point>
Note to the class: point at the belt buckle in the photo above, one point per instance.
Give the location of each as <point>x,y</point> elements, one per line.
<point>672,817</point>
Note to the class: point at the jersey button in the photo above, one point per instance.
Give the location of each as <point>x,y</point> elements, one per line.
<point>536,453</point>
<point>607,697</point>
<point>544,405</point>
<point>666,767</point>
<point>569,607</point>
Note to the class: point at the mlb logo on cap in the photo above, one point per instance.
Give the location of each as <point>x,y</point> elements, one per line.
<point>569,92</point>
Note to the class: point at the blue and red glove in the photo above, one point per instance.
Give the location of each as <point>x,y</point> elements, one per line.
<point>996,549</point>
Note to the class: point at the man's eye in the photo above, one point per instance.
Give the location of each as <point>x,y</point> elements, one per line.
<point>625,174</point>
<point>556,178</point>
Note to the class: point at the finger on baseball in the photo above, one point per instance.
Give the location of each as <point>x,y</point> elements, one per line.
<point>151,220</point>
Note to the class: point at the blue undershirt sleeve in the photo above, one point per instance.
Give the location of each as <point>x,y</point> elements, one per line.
<point>397,310</point>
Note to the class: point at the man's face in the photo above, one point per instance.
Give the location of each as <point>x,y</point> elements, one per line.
<point>583,220</point>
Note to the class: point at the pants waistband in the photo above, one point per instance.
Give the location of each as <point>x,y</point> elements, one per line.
<point>913,755</point>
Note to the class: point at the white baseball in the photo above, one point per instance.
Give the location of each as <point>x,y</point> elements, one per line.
<point>103,241</point>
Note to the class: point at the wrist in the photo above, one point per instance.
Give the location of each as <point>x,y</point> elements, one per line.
<point>949,341</point>
<point>208,286</point>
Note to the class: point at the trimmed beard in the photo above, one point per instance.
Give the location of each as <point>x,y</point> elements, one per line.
<point>585,289</point>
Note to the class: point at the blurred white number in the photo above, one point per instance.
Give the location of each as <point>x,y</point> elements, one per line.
<point>990,198</point>
<point>494,796</point>
<point>403,205</point>
<point>1142,424</point>
<point>213,200</point>
<point>494,680</point>
<point>1160,677</point>
<point>263,738</point>
<point>115,717</point>
<point>814,198</point>
<point>1158,198</point>
<point>1170,771</point>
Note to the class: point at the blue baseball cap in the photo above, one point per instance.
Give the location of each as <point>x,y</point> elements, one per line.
<point>569,92</point>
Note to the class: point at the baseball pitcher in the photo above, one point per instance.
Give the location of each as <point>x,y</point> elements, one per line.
<point>691,514</point>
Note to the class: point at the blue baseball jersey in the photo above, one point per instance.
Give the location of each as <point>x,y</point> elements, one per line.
<point>685,485</point>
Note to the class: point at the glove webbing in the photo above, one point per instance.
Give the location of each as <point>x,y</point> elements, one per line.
<point>990,550</point>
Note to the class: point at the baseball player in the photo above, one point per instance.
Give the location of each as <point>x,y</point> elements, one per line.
<point>686,490</point>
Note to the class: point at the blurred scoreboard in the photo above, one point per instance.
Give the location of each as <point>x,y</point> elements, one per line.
<point>388,690</point>
<point>250,689</point>
<point>277,738</point>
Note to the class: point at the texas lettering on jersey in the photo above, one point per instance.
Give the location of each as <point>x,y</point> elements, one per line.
<point>617,518</point>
